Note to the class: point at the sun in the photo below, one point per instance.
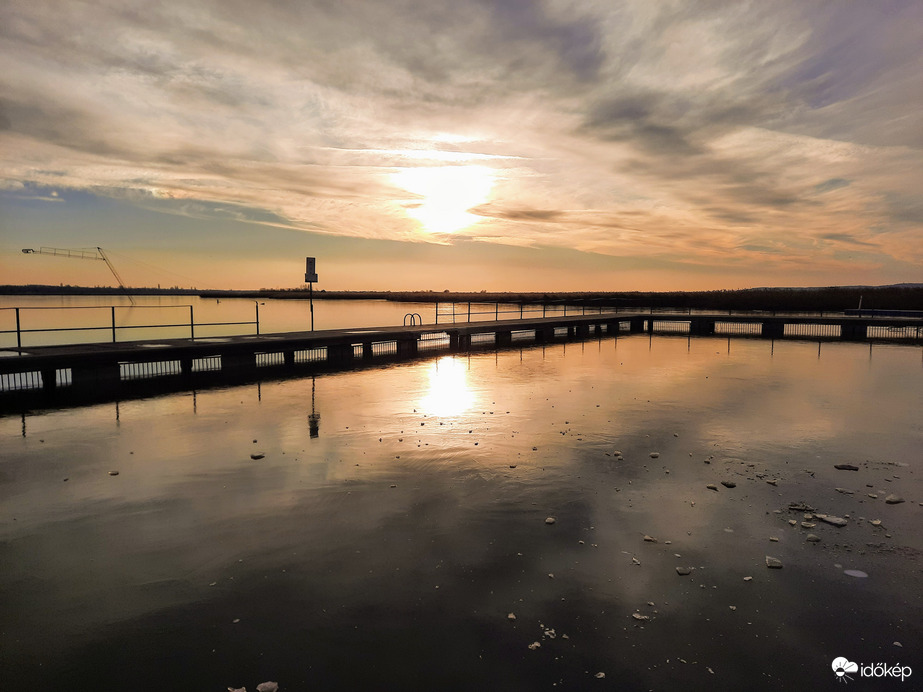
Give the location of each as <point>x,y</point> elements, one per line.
<point>447,194</point>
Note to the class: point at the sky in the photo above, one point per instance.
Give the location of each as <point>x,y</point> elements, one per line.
<point>520,145</point>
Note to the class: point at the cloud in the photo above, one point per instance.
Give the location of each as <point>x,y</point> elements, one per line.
<point>696,133</point>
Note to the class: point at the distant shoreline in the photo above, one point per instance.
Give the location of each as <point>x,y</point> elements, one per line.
<point>832,298</point>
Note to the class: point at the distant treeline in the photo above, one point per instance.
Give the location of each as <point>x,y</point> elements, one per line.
<point>68,290</point>
<point>833,299</point>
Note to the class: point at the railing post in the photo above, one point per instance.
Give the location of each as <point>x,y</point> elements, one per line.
<point>496,311</point>
<point>543,310</point>
<point>18,334</point>
<point>112,308</point>
<point>191,324</point>
<point>520,311</point>
<point>437,312</point>
<point>469,310</point>
<point>257,303</point>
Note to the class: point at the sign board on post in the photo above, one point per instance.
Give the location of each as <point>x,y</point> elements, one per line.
<point>310,273</point>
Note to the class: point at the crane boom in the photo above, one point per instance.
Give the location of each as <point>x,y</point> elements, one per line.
<point>96,254</point>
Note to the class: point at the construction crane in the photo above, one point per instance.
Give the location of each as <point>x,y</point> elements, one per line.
<point>96,254</point>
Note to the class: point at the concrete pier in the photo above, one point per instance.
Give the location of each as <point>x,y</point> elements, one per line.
<point>108,365</point>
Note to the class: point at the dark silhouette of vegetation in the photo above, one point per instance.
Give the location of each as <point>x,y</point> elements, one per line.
<point>829,299</point>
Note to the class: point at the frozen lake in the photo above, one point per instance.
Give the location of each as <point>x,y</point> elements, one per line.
<point>394,518</point>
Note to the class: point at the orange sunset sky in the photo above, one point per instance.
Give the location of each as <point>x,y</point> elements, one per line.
<point>463,144</point>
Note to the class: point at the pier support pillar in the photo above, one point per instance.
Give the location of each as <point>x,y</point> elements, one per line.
<point>772,330</point>
<point>852,330</point>
<point>185,366</point>
<point>107,374</point>
<point>504,338</point>
<point>459,342</point>
<point>238,361</point>
<point>701,327</point>
<point>367,351</point>
<point>289,358</point>
<point>598,329</point>
<point>407,348</point>
<point>49,379</point>
<point>582,331</point>
<point>544,334</point>
<point>343,353</point>
<point>636,325</point>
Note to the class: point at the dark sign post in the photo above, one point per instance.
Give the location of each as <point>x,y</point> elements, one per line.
<point>310,276</point>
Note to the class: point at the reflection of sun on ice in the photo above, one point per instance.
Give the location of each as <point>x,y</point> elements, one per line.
<point>448,393</point>
<point>447,192</point>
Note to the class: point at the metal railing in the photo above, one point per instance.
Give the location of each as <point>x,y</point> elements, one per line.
<point>521,311</point>
<point>112,327</point>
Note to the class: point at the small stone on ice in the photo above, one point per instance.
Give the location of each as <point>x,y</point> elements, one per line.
<point>638,616</point>
<point>534,645</point>
<point>655,455</point>
<point>511,616</point>
<point>267,687</point>
<point>812,538</point>
<point>875,522</point>
<point>712,486</point>
<point>551,575</point>
<point>773,539</point>
<point>636,561</point>
<point>898,644</point>
<point>733,607</point>
<point>683,571</point>
<point>113,473</point>
<point>237,689</point>
<point>894,499</point>
<point>729,484</point>
<point>836,521</point>
<point>257,456</point>
<point>649,539</point>
<point>600,675</point>
<point>846,467</point>
<point>550,520</point>
<point>748,578</point>
<point>773,562</point>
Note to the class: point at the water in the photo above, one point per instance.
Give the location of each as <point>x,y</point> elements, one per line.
<point>90,318</point>
<point>387,551</point>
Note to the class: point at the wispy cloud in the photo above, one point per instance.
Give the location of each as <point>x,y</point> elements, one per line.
<point>755,134</point>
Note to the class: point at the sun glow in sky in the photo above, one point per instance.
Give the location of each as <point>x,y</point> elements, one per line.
<point>541,145</point>
<point>446,195</point>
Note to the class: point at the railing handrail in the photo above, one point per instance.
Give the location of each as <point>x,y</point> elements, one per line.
<point>112,326</point>
<point>92,307</point>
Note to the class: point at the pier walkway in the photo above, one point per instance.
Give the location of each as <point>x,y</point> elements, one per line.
<point>106,365</point>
